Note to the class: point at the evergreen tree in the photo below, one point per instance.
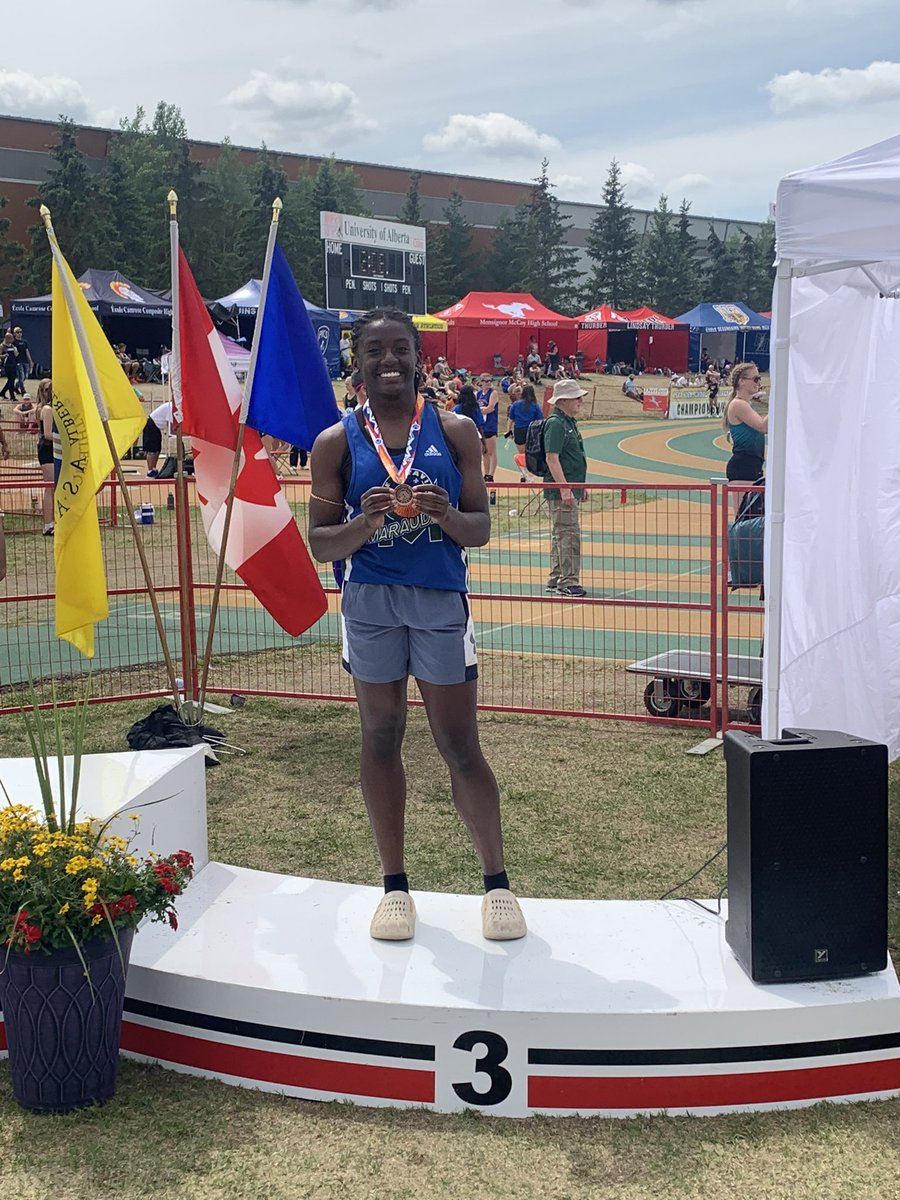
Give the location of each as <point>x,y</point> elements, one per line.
<point>268,179</point>
<point>10,252</point>
<point>224,266</point>
<point>411,212</point>
<point>721,268</point>
<point>685,275</point>
<point>184,175</point>
<point>135,181</point>
<point>330,190</point>
<point>659,255</point>
<point>612,247</point>
<point>507,266</point>
<point>451,263</point>
<point>69,194</point>
<point>764,279</point>
<point>549,267</point>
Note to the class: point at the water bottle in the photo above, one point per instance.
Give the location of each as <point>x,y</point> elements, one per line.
<point>170,502</point>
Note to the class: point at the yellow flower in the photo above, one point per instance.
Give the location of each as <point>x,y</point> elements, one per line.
<point>77,863</point>
<point>18,874</point>
<point>89,888</point>
<point>8,864</point>
<point>132,860</point>
<point>63,909</point>
<point>95,920</point>
<point>116,843</point>
<point>134,816</point>
<point>41,848</point>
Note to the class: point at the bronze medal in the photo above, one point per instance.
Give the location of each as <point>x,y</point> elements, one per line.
<point>402,502</point>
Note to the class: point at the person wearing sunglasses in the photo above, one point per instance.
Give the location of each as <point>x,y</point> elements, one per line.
<point>745,428</point>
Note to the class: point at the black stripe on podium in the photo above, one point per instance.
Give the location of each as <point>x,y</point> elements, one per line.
<point>711,1054</point>
<point>278,1033</point>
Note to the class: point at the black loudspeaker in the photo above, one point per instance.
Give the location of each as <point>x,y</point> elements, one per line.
<point>807,855</point>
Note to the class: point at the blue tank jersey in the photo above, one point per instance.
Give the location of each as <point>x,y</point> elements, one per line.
<point>406,550</point>
<point>490,419</point>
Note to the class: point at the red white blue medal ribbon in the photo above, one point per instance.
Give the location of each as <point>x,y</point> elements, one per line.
<point>398,474</point>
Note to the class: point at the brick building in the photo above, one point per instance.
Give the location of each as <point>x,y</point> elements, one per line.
<point>25,162</point>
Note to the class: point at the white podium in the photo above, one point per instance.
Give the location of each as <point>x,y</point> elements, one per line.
<point>606,1008</point>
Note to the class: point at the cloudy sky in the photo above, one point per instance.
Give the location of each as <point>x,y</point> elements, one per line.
<point>695,98</point>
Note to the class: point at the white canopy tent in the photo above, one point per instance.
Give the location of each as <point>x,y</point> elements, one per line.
<point>832,650</point>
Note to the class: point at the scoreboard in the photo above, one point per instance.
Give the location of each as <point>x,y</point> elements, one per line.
<point>370,263</point>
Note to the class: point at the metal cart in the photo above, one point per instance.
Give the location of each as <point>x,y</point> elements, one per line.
<point>680,679</point>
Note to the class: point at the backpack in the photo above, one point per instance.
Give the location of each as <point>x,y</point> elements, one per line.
<point>535,458</point>
<point>745,541</point>
<point>535,455</point>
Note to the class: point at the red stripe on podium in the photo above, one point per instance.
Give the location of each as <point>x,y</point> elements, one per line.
<point>654,1092</point>
<point>271,1066</point>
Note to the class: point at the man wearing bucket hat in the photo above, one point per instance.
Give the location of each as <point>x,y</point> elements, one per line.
<point>566,464</point>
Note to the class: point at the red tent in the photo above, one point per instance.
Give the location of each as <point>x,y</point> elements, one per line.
<point>660,341</point>
<point>592,332</point>
<point>487,327</point>
<point>649,317</point>
<point>633,334</point>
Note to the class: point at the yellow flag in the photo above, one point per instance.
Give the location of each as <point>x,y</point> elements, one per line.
<point>81,598</point>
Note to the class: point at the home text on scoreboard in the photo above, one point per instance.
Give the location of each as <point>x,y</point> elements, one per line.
<point>370,263</point>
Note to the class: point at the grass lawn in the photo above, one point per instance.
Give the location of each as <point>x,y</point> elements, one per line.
<point>590,809</point>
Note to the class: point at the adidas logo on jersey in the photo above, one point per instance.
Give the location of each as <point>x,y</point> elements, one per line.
<point>433,452</point>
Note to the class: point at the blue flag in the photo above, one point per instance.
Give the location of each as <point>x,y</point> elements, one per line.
<point>292,397</point>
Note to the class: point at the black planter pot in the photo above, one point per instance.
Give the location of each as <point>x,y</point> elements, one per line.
<point>63,1036</point>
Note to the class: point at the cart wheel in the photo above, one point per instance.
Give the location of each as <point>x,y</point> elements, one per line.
<point>695,691</point>
<point>667,706</point>
<point>754,705</point>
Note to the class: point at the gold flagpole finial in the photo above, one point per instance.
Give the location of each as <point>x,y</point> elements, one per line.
<point>172,199</point>
<point>45,215</point>
<point>277,206</point>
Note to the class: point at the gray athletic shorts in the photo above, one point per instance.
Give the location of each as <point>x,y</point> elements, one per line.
<point>391,631</point>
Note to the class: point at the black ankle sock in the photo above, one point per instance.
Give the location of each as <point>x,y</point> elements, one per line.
<point>500,880</point>
<point>398,883</point>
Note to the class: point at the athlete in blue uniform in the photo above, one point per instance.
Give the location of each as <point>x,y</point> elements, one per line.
<point>489,401</point>
<point>397,490</point>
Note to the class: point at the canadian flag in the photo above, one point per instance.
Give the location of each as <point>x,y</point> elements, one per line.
<point>264,544</point>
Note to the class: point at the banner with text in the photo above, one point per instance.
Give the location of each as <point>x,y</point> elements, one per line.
<point>691,404</point>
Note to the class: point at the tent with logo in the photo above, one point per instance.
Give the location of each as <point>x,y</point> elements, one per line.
<point>243,304</point>
<point>832,648</point>
<point>731,331</point>
<point>620,335</point>
<point>486,330</point>
<point>128,312</point>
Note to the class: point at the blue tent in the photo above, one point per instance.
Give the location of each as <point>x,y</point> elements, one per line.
<point>731,331</point>
<point>244,304</point>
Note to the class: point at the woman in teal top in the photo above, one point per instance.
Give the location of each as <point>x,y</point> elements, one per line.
<point>746,429</point>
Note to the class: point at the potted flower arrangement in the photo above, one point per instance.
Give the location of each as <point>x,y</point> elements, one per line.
<point>71,896</point>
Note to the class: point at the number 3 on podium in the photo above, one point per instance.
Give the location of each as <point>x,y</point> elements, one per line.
<point>488,1064</point>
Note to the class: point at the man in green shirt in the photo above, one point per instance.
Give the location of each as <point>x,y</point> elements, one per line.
<point>566,464</point>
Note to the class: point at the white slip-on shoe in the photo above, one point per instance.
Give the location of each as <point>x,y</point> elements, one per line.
<point>501,916</point>
<point>394,919</point>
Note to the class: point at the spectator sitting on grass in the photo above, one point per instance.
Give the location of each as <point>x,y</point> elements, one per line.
<point>630,389</point>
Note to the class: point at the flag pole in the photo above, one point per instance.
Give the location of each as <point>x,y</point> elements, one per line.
<point>182,509</point>
<point>236,463</point>
<point>91,369</point>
